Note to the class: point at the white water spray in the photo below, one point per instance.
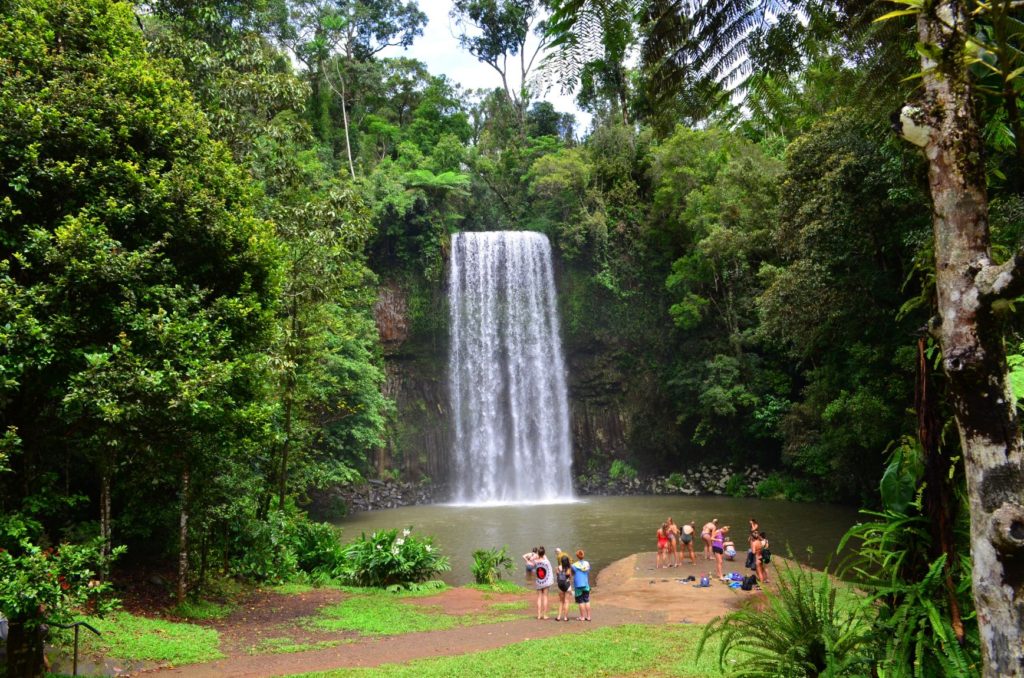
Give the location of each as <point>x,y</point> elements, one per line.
<point>506,373</point>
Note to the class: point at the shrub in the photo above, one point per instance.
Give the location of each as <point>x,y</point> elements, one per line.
<point>267,549</point>
<point>50,584</point>
<point>488,564</point>
<point>318,547</point>
<point>620,470</point>
<point>285,544</point>
<point>771,487</point>
<point>777,485</point>
<point>806,629</point>
<point>676,479</point>
<point>387,558</point>
<point>737,486</point>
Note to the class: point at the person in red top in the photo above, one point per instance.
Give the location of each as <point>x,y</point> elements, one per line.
<point>662,535</point>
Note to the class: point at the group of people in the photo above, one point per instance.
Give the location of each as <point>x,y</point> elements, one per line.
<point>674,542</point>
<point>567,575</point>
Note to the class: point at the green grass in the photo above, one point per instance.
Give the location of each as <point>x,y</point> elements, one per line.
<point>126,636</point>
<point>202,609</point>
<point>500,586</point>
<point>423,590</point>
<point>291,588</point>
<point>287,646</point>
<point>623,650</point>
<point>383,614</point>
<point>513,605</point>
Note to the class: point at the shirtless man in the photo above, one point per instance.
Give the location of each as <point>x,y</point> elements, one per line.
<point>705,534</point>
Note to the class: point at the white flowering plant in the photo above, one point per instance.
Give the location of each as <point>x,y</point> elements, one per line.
<point>390,557</point>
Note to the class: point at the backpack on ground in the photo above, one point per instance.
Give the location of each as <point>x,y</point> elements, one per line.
<point>562,578</point>
<point>748,583</point>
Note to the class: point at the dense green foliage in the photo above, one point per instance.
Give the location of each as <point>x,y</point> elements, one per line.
<point>38,585</point>
<point>809,627</point>
<point>199,203</point>
<point>390,558</point>
<point>488,565</point>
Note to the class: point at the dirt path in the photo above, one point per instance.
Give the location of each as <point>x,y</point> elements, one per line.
<point>627,592</point>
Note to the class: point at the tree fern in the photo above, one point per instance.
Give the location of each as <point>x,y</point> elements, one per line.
<point>808,627</point>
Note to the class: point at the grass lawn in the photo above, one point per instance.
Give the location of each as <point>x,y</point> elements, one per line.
<point>202,609</point>
<point>286,645</point>
<point>383,614</point>
<point>500,586</point>
<point>126,636</point>
<point>624,650</point>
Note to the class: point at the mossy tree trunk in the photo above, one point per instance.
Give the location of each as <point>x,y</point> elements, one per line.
<point>968,286</point>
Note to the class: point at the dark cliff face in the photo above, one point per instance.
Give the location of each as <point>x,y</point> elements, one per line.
<point>610,401</point>
<point>412,322</point>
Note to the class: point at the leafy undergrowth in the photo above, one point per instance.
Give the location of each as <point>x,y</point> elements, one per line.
<point>383,614</point>
<point>624,650</point>
<point>126,636</point>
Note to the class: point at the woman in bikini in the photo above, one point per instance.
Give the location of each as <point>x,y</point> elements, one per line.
<point>759,546</point>
<point>673,539</point>
<point>705,533</point>
<point>662,535</point>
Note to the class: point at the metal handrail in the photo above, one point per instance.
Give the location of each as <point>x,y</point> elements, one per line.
<point>75,625</point>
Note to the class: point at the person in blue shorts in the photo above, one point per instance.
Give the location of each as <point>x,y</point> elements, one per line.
<point>581,583</point>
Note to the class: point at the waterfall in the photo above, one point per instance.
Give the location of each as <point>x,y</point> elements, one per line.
<point>506,372</point>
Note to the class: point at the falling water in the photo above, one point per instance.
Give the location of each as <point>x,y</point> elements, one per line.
<point>506,373</point>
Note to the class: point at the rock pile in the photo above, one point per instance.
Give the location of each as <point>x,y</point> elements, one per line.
<point>704,479</point>
<point>376,494</point>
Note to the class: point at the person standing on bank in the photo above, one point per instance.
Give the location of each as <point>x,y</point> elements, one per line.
<point>689,533</point>
<point>717,542</point>
<point>581,585</point>
<point>545,578</point>
<point>706,533</point>
<point>754,530</point>
<point>564,579</point>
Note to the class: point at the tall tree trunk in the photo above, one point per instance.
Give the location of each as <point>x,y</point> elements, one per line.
<point>967,283</point>
<point>104,510</point>
<point>183,535</point>
<point>940,501</point>
<point>344,119</point>
<point>282,479</point>
<point>24,651</point>
<point>105,531</point>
